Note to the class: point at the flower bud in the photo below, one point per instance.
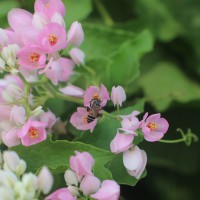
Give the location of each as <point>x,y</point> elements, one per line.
<point>45,180</point>
<point>77,56</point>
<point>73,190</point>
<point>13,162</point>
<point>18,114</point>
<point>39,21</point>
<point>72,90</point>
<point>75,35</point>
<point>135,161</point>
<point>9,54</point>
<point>37,112</point>
<point>90,184</point>
<point>118,95</point>
<point>3,38</point>
<point>71,177</point>
<point>30,182</point>
<point>6,193</point>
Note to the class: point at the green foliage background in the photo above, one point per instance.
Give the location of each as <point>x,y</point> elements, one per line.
<point>152,48</point>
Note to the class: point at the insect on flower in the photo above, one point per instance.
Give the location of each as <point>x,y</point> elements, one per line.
<point>93,110</point>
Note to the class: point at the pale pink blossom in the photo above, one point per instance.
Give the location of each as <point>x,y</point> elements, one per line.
<point>118,95</point>
<point>53,37</point>
<point>75,34</point>
<point>94,92</point>
<point>79,120</point>
<point>109,190</point>
<point>77,56</point>
<point>32,132</point>
<point>121,143</point>
<point>57,18</point>
<point>19,18</point>
<point>39,20</point>
<point>61,194</point>
<point>18,114</point>
<point>82,163</point>
<point>72,90</point>
<point>58,70</point>
<point>135,161</point>
<point>49,118</point>
<point>90,184</point>
<point>45,180</point>
<point>32,57</point>
<point>154,127</point>
<point>49,7</point>
<point>10,137</point>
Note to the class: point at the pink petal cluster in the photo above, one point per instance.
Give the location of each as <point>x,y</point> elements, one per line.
<point>32,132</point>
<point>82,179</point>
<point>40,37</point>
<point>153,128</point>
<point>80,118</point>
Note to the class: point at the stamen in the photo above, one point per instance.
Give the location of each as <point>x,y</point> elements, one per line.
<point>84,119</point>
<point>33,132</point>
<point>34,57</point>
<point>152,126</point>
<point>96,96</point>
<point>53,39</point>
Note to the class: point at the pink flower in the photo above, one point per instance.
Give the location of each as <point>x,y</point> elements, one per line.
<point>10,138</point>
<point>94,92</point>
<point>53,37</point>
<point>32,57</point>
<point>135,161</point>
<point>61,194</point>
<point>121,143</point>
<point>90,184</point>
<point>82,163</point>
<point>75,34</point>
<point>109,190</point>
<point>130,123</point>
<point>154,127</point>
<point>72,90</point>
<point>19,18</point>
<point>80,120</point>
<point>49,7</point>
<point>118,95</point>
<point>77,56</point>
<point>49,118</point>
<point>32,132</point>
<point>18,114</point>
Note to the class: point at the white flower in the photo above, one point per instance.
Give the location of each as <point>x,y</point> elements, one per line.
<point>71,177</point>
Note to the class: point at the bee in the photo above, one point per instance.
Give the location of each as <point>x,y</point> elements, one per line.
<point>93,110</point>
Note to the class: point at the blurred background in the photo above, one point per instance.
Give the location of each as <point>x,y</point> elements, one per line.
<point>152,48</point>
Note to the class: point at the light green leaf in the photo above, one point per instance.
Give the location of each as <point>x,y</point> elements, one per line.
<point>77,10</point>
<point>55,155</point>
<point>166,83</point>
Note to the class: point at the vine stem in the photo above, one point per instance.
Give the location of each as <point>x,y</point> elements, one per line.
<point>104,13</point>
<point>186,137</point>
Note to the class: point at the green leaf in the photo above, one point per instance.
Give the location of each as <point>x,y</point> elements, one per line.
<point>77,10</point>
<point>55,155</point>
<point>166,83</point>
<point>102,42</point>
<point>159,19</point>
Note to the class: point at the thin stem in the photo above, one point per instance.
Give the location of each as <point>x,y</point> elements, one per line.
<point>109,115</point>
<point>91,71</point>
<point>104,13</point>
<point>186,137</point>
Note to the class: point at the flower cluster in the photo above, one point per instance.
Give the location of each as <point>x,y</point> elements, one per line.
<point>15,184</point>
<point>32,44</point>
<point>150,128</point>
<point>82,182</point>
<point>14,126</point>
<point>30,50</point>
